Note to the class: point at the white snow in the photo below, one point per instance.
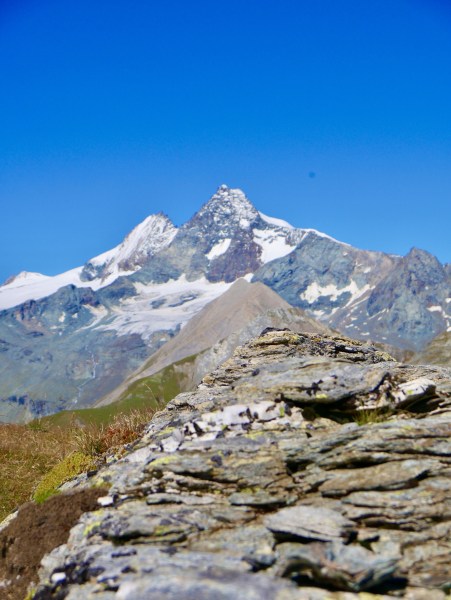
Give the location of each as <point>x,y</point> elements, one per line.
<point>273,244</point>
<point>219,248</point>
<point>136,315</point>
<point>315,291</point>
<point>438,309</point>
<point>153,234</point>
<point>98,312</point>
<point>324,235</point>
<point>22,278</point>
<point>276,222</point>
<point>13,294</point>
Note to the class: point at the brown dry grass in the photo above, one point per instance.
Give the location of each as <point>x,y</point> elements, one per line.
<point>96,440</point>
<point>28,453</point>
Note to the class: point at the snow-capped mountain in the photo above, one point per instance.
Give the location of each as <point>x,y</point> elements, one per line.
<point>145,240</point>
<point>216,231</point>
<point>68,340</point>
<point>149,237</point>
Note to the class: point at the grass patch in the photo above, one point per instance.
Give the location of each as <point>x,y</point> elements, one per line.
<point>42,449</point>
<point>71,466</point>
<point>96,440</point>
<point>164,385</point>
<point>102,415</point>
<point>36,458</point>
<point>369,416</point>
<point>26,455</point>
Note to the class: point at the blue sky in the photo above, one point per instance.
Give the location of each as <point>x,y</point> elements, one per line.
<point>112,110</point>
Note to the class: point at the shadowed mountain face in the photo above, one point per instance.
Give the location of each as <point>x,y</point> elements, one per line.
<point>67,341</point>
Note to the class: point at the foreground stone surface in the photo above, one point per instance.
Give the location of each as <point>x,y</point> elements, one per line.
<point>264,483</point>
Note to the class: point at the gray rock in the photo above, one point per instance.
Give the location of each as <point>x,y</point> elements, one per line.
<point>310,523</point>
<point>349,567</point>
<point>252,488</point>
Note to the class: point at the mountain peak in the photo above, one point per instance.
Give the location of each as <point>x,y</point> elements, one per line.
<point>24,277</point>
<point>146,239</point>
<point>229,207</point>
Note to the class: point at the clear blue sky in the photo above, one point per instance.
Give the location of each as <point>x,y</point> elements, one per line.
<point>111,110</point>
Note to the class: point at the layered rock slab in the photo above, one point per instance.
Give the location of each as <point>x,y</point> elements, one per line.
<point>258,486</point>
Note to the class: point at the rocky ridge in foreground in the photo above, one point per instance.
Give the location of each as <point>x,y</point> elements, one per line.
<point>261,484</point>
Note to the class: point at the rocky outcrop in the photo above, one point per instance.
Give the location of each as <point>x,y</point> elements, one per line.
<point>266,483</point>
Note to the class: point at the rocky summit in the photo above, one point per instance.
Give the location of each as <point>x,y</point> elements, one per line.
<point>305,467</point>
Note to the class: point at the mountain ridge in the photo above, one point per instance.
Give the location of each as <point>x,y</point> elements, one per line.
<point>68,340</point>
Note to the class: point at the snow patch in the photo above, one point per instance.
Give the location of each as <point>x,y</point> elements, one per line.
<point>35,288</point>
<point>438,309</point>
<point>98,313</point>
<point>276,222</point>
<point>153,234</point>
<point>23,278</point>
<point>137,315</point>
<point>315,291</point>
<point>219,248</point>
<point>273,244</point>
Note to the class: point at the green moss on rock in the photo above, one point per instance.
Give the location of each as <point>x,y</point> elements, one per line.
<point>71,466</point>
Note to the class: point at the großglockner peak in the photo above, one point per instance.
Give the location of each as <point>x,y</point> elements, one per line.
<point>69,340</point>
<point>228,238</point>
<point>227,208</point>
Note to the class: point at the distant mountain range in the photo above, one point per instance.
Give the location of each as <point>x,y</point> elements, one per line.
<point>68,341</point>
